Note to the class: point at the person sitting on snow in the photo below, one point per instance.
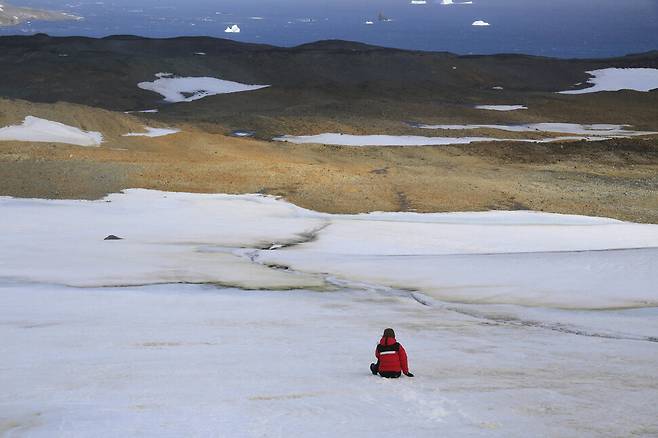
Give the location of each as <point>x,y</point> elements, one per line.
<point>391,357</point>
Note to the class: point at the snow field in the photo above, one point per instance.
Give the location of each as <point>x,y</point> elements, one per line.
<point>516,323</point>
<point>199,361</point>
<point>188,89</point>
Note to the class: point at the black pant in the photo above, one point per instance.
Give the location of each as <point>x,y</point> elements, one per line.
<point>374,368</point>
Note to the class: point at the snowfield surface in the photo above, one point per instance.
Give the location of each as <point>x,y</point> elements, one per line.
<point>246,316</point>
<point>42,130</point>
<point>153,132</point>
<point>615,79</point>
<point>187,89</point>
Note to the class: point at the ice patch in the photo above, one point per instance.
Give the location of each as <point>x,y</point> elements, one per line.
<point>188,89</point>
<point>153,132</point>
<point>615,79</point>
<point>501,107</point>
<point>595,130</point>
<point>378,140</point>
<point>480,23</point>
<point>337,139</point>
<point>42,130</point>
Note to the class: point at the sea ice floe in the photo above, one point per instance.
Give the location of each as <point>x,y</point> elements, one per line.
<point>480,23</point>
<point>41,130</point>
<point>594,130</point>
<point>615,79</point>
<point>232,29</point>
<point>188,89</point>
<point>501,107</point>
<point>153,132</point>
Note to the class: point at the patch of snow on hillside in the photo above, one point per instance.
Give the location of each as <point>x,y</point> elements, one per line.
<point>153,132</point>
<point>337,139</point>
<point>615,79</point>
<point>188,89</point>
<point>41,130</point>
<point>501,107</point>
<point>595,130</point>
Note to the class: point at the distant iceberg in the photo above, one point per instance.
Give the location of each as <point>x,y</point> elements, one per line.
<point>480,23</point>
<point>451,2</point>
<point>232,29</point>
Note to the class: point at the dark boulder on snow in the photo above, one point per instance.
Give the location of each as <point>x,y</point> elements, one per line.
<point>113,237</point>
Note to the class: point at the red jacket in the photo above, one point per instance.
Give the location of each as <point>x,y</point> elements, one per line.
<point>391,356</point>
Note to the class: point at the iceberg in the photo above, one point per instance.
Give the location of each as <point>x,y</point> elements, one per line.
<point>232,29</point>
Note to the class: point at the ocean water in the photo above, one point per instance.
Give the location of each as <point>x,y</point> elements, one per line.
<point>560,28</point>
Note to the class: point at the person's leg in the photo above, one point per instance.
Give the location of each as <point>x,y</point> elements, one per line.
<point>374,368</point>
<point>390,374</point>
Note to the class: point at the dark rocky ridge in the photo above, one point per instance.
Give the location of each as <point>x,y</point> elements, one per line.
<point>326,79</point>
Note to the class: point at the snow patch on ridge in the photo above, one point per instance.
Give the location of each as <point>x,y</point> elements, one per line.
<point>153,132</point>
<point>501,107</point>
<point>41,130</point>
<point>594,130</point>
<point>616,79</point>
<point>187,89</point>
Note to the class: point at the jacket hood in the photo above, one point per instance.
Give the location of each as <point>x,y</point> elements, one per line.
<point>387,341</point>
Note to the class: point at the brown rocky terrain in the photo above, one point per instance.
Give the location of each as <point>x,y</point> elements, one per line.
<point>324,87</point>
